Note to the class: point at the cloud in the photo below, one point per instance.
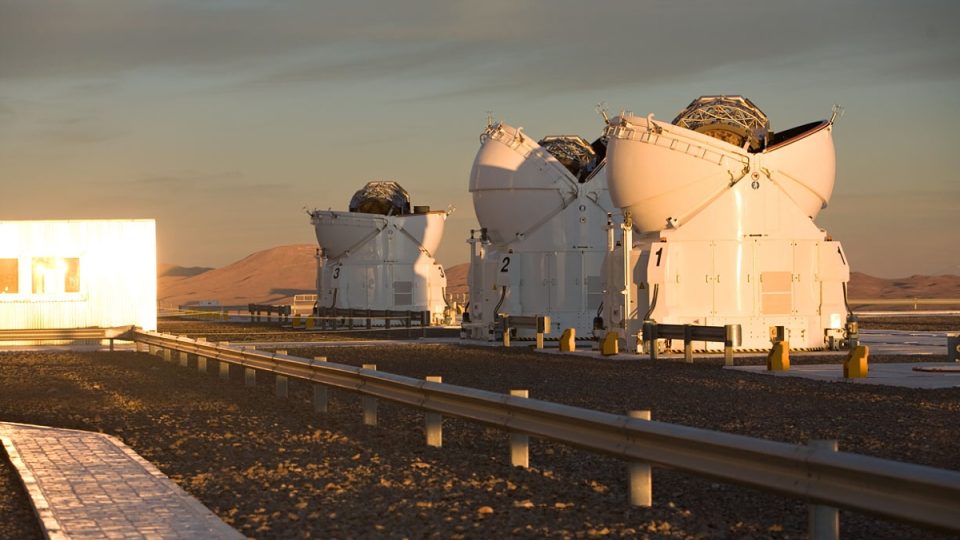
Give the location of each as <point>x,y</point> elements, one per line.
<point>501,46</point>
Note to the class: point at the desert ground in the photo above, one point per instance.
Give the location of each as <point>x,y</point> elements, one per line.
<point>273,468</point>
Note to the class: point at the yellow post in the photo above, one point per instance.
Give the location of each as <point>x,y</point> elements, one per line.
<point>310,322</point>
<point>855,366</point>
<point>610,345</point>
<point>568,340</point>
<point>779,357</point>
<point>296,321</point>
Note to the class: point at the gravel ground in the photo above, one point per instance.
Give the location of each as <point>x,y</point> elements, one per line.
<point>273,469</point>
<point>17,519</point>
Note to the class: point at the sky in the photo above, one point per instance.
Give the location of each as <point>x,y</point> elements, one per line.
<point>226,119</point>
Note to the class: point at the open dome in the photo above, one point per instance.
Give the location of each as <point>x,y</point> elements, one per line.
<point>384,198</point>
<point>517,182</point>
<point>664,173</point>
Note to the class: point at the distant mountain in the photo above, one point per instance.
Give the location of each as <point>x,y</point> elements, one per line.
<point>275,275</point>
<point>864,287</point>
<point>169,270</point>
<point>271,276</point>
<point>861,287</point>
<point>457,279</point>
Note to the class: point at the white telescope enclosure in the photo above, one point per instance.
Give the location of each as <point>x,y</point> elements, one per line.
<point>78,274</point>
<point>542,208</point>
<point>380,253</point>
<point>723,210</point>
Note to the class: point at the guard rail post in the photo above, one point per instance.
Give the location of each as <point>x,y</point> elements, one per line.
<point>650,336</point>
<point>281,384</point>
<point>433,422</point>
<point>641,483</point>
<point>732,333</point>
<point>824,520</point>
<point>184,360</point>
<point>542,322</point>
<point>369,403</point>
<point>249,376</point>
<point>520,442</point>
<point>201,364</point>
<point>505,325</point>
<point>424,323</point>
<point>320,394</point>
<point>688,343</point>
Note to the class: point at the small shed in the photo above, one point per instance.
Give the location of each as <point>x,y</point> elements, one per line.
<point>78,274</point>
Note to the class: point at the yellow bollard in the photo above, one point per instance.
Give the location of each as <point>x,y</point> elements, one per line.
<point>610,345</point>
<point>855,366</point>
<point>568,340</point>
<point>779,357</point>
<point>310,323</point>
<point>296,321</point>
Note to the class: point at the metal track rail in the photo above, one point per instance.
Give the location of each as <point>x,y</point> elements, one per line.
<point>913,493</point>
<point>64,334</point>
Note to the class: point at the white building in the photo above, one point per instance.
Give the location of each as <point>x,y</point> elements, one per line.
<point>543,208</point>
<point>380,254</point>
<point>78,274</point>
<point>723,209</point>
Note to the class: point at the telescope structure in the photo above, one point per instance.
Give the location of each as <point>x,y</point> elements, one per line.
<point>542,208</point>
<point>380,253</point>
<point>719,226</point>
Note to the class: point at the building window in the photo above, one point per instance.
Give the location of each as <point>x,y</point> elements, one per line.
<point>9,276</point>
<point>56,275</point>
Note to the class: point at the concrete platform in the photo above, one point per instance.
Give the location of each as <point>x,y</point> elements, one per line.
<point>91,485</point>
<point>884,374</point>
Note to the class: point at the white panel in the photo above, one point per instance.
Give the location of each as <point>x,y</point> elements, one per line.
<point>733,289</point>
<point>806,285</point>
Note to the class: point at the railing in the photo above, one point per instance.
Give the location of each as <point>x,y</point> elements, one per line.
<point>255,309</point>
<point>729,335</point>
<point>333,318</point>
<point>66,334</point>
<point>538,323</point>
<point>912,493</point>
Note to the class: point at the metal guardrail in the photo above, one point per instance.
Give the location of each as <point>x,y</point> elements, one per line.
<point>729,335</point>
<point>540,324</point>
<point>333,317</point>
<point>282,311</point>
<point>913,493</point>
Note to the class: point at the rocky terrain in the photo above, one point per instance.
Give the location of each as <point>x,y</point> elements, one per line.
<point>274,469</point>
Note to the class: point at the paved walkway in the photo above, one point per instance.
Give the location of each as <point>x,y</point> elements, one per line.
<point>91,485</point>
<point>885,374</point>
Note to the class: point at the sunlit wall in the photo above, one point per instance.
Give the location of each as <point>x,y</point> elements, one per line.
<point>78,274</point>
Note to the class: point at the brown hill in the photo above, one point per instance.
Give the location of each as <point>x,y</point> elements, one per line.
<point>861,286</point>
<point>271,276</point>
<point>457,279</point>
<point>864,288</point>
<point>275,275</point>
